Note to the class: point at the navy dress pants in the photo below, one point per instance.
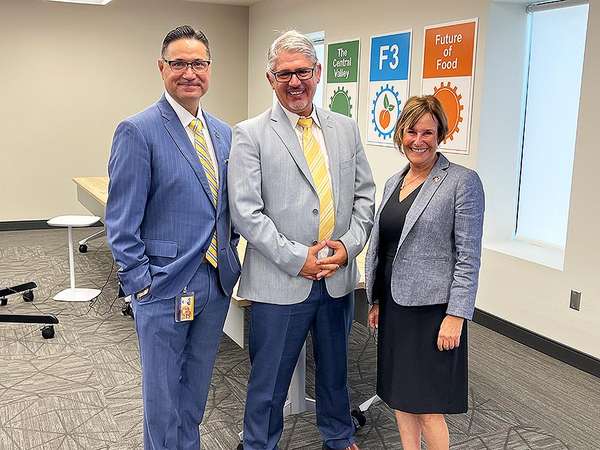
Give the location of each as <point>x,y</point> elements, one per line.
<point>277,334</point>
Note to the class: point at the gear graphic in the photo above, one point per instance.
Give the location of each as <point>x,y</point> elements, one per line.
<point>340,102</point>
<point>388,111</point>
<point>451,101</point>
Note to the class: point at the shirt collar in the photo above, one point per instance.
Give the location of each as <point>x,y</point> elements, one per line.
<point>185,117</point>
<point>293,117</point>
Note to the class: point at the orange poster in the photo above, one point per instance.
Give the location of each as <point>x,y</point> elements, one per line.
<point>449,51</point>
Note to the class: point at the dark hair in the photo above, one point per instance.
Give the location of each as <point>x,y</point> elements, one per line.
<point>415,108</point>
<point>184,32</point>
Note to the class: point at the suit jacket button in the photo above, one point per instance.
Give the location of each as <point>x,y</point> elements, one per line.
<point>315,211</point>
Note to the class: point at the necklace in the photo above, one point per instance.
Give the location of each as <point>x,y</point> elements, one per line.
<point>406,183</point>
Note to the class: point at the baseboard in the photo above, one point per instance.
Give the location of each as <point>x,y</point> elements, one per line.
<point>540,343</point>
<point>24,225</point>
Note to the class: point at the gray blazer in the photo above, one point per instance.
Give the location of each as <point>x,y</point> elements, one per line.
<point>439,252</point>
<point>274,204</point>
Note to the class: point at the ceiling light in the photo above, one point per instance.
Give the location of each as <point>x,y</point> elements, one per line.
<point>86,2</point>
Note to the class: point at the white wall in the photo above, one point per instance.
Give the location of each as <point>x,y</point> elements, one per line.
<point>533,295</point>
<point>70,73</point>
<point>525,293</point>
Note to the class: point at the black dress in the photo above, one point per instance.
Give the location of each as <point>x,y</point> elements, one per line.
<point>412,374</point>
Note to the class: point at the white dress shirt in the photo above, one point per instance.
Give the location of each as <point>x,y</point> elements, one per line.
<point>186,117</point>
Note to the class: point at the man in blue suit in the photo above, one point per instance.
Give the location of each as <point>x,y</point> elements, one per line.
<point>169,229</point>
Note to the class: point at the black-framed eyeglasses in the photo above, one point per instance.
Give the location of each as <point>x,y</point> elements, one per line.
<point>197,65</point>
<point>303,74</point>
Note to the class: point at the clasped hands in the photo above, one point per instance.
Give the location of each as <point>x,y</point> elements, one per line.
<point>315,269</point>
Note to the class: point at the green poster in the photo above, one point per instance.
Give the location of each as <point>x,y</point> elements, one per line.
<point>342,62</point>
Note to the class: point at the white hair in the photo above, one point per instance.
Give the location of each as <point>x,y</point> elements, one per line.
<point>290,41</point>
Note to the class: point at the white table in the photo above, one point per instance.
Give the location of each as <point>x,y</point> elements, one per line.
<point>74,294</point>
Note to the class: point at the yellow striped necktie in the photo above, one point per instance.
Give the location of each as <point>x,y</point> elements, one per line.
<point>320,175</point>
<point>209,169</point>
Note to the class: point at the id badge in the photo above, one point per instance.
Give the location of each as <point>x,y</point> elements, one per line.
<point>184,307</point>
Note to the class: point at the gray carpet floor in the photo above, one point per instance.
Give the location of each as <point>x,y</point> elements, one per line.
<point>81,390</point>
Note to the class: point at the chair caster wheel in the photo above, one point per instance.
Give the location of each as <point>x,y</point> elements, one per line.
<point>359,418</point>
<point>3,301</point>
<point>28,296</point>
<point>82,248</point>
<point>48,332</point>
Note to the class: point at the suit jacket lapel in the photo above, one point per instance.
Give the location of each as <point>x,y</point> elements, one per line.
<point>181,139</point>
<point>218,144</point>
<point>331,144</point>
<point>283,128</point>
<point>430,186</point>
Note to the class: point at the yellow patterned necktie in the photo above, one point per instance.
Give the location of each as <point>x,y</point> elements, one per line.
<point>209,169</point>
<point>320,175</point>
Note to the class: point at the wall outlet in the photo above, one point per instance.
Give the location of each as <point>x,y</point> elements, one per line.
<point>575,300</point>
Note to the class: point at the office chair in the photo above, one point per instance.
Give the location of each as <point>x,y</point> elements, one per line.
<point>27,290</point>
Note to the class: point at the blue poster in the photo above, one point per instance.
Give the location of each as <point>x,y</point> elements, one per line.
<point>389,71</point>
<point>390,57</point>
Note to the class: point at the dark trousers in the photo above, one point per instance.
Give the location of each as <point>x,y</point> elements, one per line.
<point>277,334</point>
<point>177,362</point>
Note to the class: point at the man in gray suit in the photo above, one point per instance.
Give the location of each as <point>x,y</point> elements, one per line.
<point>302,194</point>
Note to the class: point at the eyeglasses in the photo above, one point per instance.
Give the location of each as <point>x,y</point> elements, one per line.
<point>303,74</point>
<point>197,65</point>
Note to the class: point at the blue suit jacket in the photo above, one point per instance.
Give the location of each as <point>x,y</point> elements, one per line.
<point>159,214</point>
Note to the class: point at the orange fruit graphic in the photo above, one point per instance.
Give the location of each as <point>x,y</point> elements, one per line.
<point>384,118</point>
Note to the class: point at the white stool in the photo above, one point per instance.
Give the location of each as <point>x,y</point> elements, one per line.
<point>74,294</point>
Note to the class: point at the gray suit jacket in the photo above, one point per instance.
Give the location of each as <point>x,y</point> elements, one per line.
<point>439,252</point>
<point>274,204</point>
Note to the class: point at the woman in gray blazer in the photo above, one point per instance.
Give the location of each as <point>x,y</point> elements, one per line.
<point>422,271</point>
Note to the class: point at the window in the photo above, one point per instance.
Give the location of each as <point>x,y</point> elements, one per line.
<point>556,52</point>
<point>318,39</point>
